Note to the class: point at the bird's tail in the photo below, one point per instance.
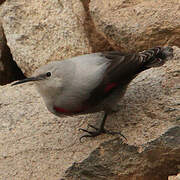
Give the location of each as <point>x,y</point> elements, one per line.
<point>155,57</point>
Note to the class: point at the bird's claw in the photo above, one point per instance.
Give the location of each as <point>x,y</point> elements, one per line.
<point>89,125</point>
<point>114,133</point>
<point>97,132</point>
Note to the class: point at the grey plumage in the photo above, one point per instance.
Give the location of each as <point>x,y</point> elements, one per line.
<point>92,82</point>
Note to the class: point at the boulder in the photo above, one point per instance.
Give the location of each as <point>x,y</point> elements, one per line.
<point>35,144</point>
<point>174,177</point>
<point>114,160</point>
<point>136,25</point>
<point>9,71</point>
<point>41,31</point>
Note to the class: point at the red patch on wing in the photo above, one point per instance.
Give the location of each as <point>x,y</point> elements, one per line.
<point>64,111</point>
<point>109,87</point>
<point>60,110</point>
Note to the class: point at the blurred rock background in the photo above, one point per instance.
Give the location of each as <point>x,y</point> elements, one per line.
<point>35,144</point>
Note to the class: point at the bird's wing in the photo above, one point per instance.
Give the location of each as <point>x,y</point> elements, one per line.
<point>120,71</point>
<point>95,77</point>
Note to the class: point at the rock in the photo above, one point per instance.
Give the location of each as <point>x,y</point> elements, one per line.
<point>115,160</point>
<point>2,1</point>
<point>2,44</point>
<point>35,144</point>
<point>96,40</point>
<point>41,31</point>
<point>9,71</point>
<point>174,177</point>
<point>137,25</point>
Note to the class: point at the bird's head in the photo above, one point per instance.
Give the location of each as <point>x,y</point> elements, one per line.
<point>46,78</point>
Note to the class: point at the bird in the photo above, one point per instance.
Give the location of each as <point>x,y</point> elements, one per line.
<point>93,82</point>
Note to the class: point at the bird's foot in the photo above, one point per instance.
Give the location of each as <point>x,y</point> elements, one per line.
<point>97,132</point>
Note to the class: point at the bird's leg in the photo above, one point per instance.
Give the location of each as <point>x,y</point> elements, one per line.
<point>99,130</point>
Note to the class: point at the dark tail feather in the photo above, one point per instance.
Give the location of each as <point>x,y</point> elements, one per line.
<point>155,57</point>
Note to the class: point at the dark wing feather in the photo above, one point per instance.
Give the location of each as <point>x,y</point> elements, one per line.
<point>122,69</point>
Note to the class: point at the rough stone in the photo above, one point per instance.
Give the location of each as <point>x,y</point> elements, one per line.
<point>114,160</point>
<point>35,144</point>
<point>9,71</point>
<point>2,43</point>
<point>96,39</point>
<point>137,24</point>
<point>42,31</point>
<point>174,177</point>
<point>2,1</point>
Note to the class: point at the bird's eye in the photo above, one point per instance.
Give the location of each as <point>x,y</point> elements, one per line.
<point>48,74</point>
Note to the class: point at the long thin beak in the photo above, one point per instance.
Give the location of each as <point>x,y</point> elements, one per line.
<point>26,80</point>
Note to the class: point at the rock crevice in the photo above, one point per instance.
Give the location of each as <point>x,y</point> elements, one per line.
<point>9,71</point>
